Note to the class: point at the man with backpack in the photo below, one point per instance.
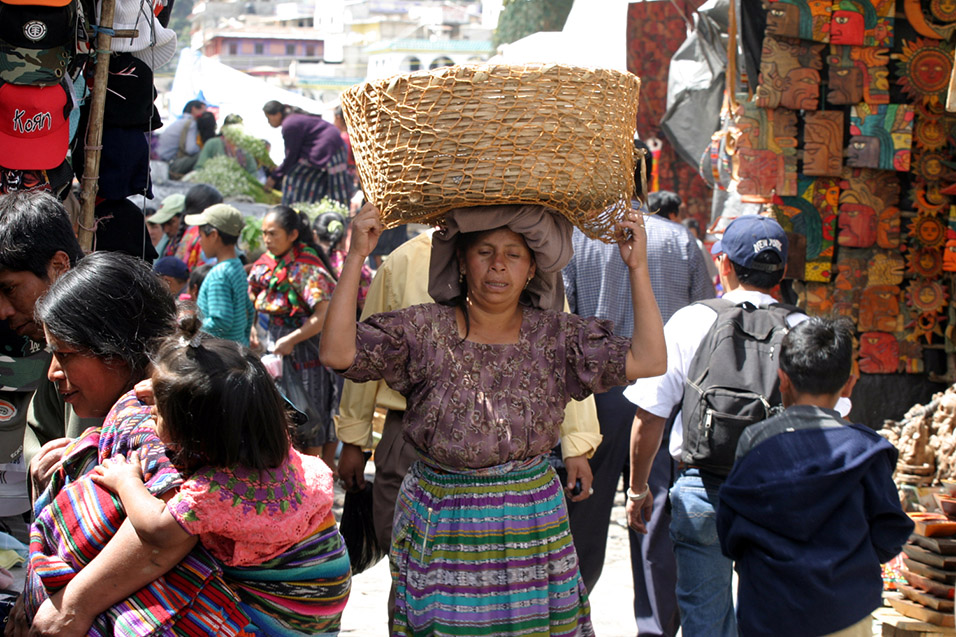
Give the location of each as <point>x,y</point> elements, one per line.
<point>710,399</point>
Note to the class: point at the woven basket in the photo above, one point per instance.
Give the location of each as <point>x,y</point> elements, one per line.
<point>485,134</point>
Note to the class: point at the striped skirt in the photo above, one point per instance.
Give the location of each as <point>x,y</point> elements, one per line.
<point>306,183</point>
<point>301,592</point>
<point>487,552</point>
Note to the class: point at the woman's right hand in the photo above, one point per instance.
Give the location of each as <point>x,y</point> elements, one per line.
<point>352,467</point>
<point>366,229</point>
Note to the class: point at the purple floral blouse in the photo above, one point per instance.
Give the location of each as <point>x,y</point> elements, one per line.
<point>473,405</point>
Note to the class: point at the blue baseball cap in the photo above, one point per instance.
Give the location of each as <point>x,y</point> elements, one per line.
<point>171,266</point>
<point>750,235</point>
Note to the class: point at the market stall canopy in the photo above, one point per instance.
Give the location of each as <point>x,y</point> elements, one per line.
<point>232,91</point>
<point>586,39</point>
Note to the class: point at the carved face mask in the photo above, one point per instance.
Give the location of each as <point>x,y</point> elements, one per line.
<point>863,151</point>
<point>879,353</point>
<point>949,256</point>
<point>880,309</point>
<point>857,224</point>
<point>823,143</point>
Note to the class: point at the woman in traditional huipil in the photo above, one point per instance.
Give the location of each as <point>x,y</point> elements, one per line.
<point>291,285</point>
<point>481,544</point>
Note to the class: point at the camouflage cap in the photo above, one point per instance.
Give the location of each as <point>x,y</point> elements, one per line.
<point>37,67</point>
<point>37,43</point>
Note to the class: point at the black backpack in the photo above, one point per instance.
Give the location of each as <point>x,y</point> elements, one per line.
<point>732,382</point>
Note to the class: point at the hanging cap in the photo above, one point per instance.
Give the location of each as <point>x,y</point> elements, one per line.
<point>34,126</point>
<point>39,3</point>
<point>37,43</point>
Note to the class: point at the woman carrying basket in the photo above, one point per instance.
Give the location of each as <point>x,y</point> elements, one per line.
<point>481,544</point>
<point>316,159</point>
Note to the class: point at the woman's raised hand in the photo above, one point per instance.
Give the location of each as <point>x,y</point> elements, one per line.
<point>366,229</point>
<point>634,246</point>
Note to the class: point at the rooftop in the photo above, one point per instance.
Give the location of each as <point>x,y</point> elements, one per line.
<point>457,46</point>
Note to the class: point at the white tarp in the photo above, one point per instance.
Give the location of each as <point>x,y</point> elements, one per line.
<point>232,91</point>
<point>594,35</point>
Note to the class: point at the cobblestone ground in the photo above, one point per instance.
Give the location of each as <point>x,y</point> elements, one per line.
<point>611,602</point>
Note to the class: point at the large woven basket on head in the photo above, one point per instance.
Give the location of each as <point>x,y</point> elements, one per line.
<point>487,134</point>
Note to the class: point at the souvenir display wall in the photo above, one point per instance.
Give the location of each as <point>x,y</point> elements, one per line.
<point>664,24</point>
<point>845,136</point>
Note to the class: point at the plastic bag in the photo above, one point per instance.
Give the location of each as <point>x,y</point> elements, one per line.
<point>273,365</point>
<point>358,529</point>
<point>290,384</point>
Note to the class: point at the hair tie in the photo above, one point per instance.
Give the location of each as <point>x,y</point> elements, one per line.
<point>194,342</point>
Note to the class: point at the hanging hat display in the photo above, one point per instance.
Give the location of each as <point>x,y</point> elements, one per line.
<point>37,42</point>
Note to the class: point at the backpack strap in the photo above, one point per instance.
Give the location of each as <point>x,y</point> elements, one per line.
<point>718,305</point>
<point>791,309</point>
<point>722,306</point>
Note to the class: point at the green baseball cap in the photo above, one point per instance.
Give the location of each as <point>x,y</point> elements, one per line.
<point>220,216</point>
<point>172,205</point>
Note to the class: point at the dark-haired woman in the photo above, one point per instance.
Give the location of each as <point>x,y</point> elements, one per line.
<point>291,285</point>
<point>316,159</point>
<point>486,372</point>
<point>103,320</point>
<point>260,507</point>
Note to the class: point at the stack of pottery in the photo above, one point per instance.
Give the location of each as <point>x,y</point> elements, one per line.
<point>929,559</point>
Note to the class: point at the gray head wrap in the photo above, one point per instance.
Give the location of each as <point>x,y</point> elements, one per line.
<point>546,232</point>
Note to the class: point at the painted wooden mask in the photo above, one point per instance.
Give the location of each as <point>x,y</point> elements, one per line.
<point>880,309</point>
<point>862,22</point>
<point>823,143</point>
<point>804,19</point>
<point>858,74</point>
<point>880,136</point>
<point>789,74</point>
<point>879,353</point>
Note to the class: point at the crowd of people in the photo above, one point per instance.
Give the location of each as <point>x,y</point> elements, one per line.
<point>194,415</point>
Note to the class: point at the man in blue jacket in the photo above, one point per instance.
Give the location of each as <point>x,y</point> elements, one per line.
<point>810,510</point>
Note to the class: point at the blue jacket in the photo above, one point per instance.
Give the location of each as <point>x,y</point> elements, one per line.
<point>809,514</point>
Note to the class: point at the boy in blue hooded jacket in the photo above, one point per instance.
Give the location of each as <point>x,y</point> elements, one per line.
<point>810,510</point>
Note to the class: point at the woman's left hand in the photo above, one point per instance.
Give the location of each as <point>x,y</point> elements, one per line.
<point>634,248</point>
<point>579,469</point>
<point>46,461</point>
<point>55,620</point>
<point>114,471</point>
<point>283,346</point>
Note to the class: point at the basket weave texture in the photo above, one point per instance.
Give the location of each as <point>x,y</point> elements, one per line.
<point>485,134</point>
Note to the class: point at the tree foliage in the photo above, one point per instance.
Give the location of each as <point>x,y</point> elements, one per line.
<point>523,17</point>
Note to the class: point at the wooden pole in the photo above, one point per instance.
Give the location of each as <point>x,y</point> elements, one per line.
<point>94,132</point>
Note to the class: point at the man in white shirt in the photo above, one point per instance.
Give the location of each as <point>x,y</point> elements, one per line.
<point>180,138</point>
<point>752,256</point>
